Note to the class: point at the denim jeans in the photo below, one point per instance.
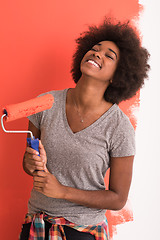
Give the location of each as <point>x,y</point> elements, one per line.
<point>71,234</point>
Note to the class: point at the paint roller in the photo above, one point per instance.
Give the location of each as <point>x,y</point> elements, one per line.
<point>25,109</point>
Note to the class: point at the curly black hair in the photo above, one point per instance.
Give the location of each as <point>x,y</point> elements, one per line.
<point>132,67</point>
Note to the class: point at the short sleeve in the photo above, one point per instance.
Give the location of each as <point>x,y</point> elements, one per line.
<point>36,119</point>
<point>123,140</point>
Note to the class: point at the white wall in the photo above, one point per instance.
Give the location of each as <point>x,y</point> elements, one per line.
<point>145,189</point>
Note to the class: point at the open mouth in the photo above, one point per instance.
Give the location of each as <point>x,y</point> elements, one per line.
<point>94,63</point>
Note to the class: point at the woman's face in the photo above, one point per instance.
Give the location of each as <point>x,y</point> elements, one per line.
<point>101,61</point>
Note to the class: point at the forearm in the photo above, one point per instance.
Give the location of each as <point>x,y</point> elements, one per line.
<point>101,199</point>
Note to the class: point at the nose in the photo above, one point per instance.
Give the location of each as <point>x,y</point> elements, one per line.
<point>96,54</point>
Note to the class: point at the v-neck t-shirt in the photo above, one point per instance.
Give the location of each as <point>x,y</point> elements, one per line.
<point>79,160</point>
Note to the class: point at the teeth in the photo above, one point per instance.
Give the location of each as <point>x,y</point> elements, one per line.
<point>94,63</point>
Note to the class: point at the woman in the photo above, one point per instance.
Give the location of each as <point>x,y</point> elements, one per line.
<point>83,135</point>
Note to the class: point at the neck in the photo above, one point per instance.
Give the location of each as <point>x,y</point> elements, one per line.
<point>89,93</point>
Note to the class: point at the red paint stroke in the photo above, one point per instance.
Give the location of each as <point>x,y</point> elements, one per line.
<point>119,217</point>
<point>130,106</point>
<point>125,215</point>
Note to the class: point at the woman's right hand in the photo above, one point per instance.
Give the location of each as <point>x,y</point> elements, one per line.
<point>33,162</point>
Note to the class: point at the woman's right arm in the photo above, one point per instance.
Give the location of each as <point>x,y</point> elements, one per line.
<point>31,160</point>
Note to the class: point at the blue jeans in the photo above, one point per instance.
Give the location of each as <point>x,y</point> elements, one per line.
<point>71,234</point>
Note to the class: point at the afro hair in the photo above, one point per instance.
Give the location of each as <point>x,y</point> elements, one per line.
<point>132,67</point>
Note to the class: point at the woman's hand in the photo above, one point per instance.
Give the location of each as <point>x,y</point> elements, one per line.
<point>32,161</point>
<point>47,184</point>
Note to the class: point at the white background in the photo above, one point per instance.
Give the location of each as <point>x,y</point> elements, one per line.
<point>145,189</point>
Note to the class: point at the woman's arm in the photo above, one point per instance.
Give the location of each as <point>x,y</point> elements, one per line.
<point>113,199</point>
<point>119,184</point>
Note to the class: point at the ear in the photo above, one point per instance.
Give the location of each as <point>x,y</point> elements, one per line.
<point>110,81</point>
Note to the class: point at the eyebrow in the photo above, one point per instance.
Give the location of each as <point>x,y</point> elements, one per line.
<point>99,44</point>
<point>113,52</point>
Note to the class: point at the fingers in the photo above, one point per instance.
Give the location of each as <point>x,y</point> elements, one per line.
<point>33,157</point>
<point>39,174</point>
<point>32,161</point>
<point>32,151</point>
<point>41,149</point>
<point>39,180</point>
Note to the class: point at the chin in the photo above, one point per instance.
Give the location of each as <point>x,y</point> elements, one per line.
<point>86,71</point>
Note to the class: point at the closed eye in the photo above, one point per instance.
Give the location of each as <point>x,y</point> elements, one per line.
<point>93,49</point>
<point>109,56</point>
<point>96,50</point>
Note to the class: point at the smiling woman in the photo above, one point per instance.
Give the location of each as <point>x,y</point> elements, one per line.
<point>83,135</point>
<point>104,57</point>
<point>132,66</point>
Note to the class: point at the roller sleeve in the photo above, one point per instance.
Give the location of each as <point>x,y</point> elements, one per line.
<point>27,108</point>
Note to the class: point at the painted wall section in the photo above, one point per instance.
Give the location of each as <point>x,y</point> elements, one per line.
<point>36,45</point>
<point>145,193</point>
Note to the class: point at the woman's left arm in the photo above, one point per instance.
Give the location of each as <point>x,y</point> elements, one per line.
<point>112,199</point>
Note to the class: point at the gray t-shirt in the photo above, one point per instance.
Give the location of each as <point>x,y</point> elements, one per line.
<point>81,159</point>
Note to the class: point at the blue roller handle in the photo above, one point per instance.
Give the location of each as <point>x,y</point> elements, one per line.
<point>33,143</point>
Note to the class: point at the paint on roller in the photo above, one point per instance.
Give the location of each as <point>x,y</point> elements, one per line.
<point>27,108</point>
<point>24,109</point>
